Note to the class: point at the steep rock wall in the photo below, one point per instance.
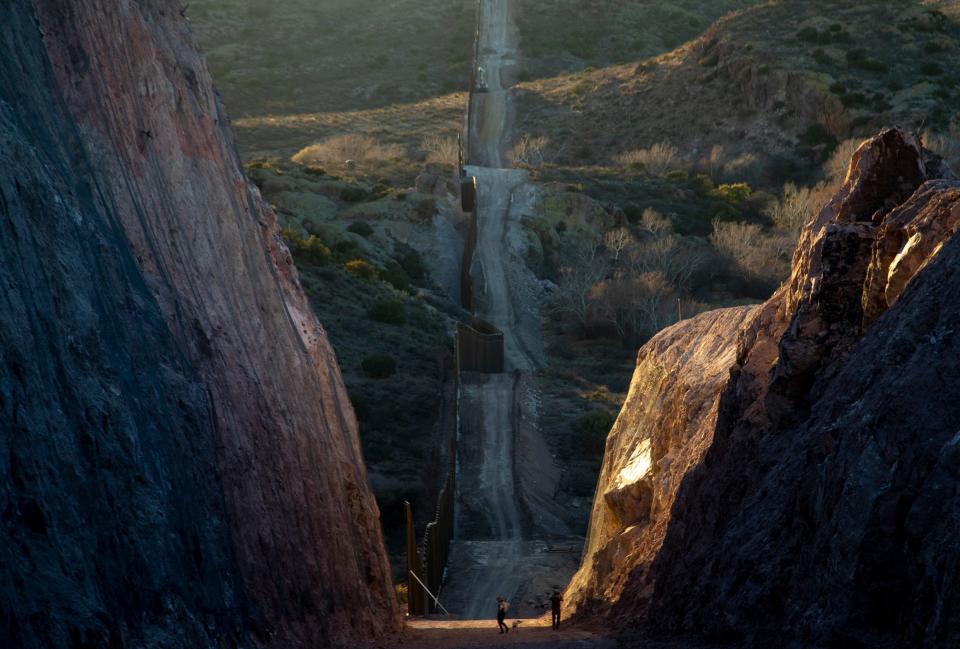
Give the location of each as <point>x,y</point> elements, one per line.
<point>301,524</point>
<point>821,514</point>
<point>114,530</point>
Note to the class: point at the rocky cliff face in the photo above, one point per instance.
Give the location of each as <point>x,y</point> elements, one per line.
<point>182,445</point>
<point>820,505</point>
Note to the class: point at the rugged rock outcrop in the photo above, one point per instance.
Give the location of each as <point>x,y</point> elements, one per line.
<point>181,463</point>
<point>663,430</point>
<point>825,511</point>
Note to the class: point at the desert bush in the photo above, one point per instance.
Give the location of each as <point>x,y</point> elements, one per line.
<point>340,148</point>
<point>655,223</point>
<point>441,150</point>
<point>798,206</point>
<point>858,58</point>
<point>735,240</point>
<point>529,151</point>
<point>591,431</point>
<point>310,249</point>
<point>314,250</point>
<point>379,366</point>
<point>658,159</point>
<point>758,261</point>
<point>732,192</point>
<point>361,268</point>
<point>412,263</point>
<point>346,246</point>
<point>835,169</point>
<point>388,312</point>
<point>361,228</point>
<point>395,276</point>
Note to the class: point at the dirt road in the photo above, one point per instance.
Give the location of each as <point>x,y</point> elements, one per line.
<point>505,546</point>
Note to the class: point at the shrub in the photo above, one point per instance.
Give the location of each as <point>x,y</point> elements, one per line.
<point>658,159</point>
<point>395,276</point>
<point>591,431</point>
<point>529,151</point>
<point>346,246</point>
<point>677,176</point>
<point>314,250</point>
<point>808,34</point>
<point>340,148</point>
<point>859,59</point>
<point>361,228</point>
<point>354,194</point>
<point>702,184</point>
<point>388,312</point>
<point>733,192</point>
<point>379,366</point>
<point>931,69</point>
<point>735,240</point>
<point>836,166</point>
<point>822,57</point>
<point>361,269</point>
<point>412,264</point>
<point>709,61</point>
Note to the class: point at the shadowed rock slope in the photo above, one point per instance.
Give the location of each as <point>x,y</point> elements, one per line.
<point>820,506</point>
<point>180,463</point>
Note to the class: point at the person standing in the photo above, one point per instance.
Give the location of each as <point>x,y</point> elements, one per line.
<point>555,600</point>
<point>502,614</point>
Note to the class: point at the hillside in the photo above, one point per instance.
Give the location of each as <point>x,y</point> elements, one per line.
<point>776,86</point>
<point>294,72</point>
<point>608,33</point>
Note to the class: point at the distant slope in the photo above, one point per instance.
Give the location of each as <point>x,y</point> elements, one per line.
<point>297,60</point>
<point>558,36</point>
<point>781,80</point>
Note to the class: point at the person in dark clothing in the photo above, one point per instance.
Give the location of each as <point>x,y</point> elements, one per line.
<point>555,600</point>
<point>502,614</point>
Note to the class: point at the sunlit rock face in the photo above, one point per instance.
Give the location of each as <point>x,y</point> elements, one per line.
<point>664,428</point>
<point>189,452</point>
<point>824,509</point>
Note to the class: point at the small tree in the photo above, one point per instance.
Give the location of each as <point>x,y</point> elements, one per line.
<point>585,266</point>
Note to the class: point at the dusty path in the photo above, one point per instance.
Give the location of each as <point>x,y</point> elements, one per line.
<point>534,634</point>
<point>500,548</point>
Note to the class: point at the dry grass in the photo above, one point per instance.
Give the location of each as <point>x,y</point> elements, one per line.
<point>406,124</point>
<point>344,148</point>
<point>658,159</point>
<point>440,149</point>
<point>945,144</point>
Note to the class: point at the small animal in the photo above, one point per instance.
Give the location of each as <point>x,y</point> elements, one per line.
<point>516,625</point>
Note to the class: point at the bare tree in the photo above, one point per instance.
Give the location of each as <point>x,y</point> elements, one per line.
<point>586,266</point>
<point>616,241</point>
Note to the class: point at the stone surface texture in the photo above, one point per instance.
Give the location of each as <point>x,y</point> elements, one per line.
<point>819,507</point>
<point>180,462</point>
